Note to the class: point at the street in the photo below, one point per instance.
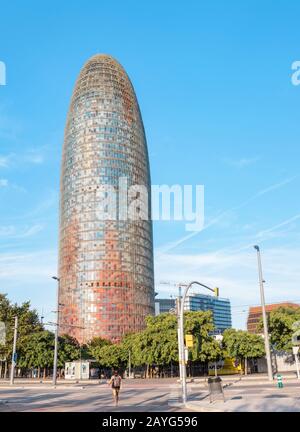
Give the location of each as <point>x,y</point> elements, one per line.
<point>160,395</point>
<point>91,397</point>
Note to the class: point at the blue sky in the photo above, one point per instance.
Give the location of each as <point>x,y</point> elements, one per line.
<point>213,80</point>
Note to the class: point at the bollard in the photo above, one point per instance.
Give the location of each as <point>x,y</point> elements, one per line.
<point>279,381</point>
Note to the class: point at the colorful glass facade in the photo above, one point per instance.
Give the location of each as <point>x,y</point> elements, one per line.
<point>105,266</point>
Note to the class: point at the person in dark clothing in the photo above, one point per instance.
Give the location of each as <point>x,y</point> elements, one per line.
<point>115,383</point>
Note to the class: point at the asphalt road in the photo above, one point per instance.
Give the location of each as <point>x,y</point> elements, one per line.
<point>150,396</point>
<point>140,398</point>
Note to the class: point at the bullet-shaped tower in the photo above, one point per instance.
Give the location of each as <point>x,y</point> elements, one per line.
<point>106,284</point>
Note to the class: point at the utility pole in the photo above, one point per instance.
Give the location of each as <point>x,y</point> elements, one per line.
<point>56,334</point>
<point>263,307</point>
<point>14,353</point>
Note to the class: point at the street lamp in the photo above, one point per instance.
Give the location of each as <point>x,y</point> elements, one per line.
<point>14,353</point>
<point>181,336</point>
<point>263,307</point>
<point>56,333</point>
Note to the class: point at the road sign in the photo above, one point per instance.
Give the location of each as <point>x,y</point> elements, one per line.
<point>295,350</point>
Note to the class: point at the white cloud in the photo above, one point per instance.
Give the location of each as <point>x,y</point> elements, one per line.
<point>31,156</point>
<point>31,231</point>
<point>7,230</point>
<point>3,182</point>
<point>236,275</point>
<point>243,162</point>
<point>22,279</point>
<point>15,232</point>
<point>4,161</point>
<point>231,213</point>
<point>34,157</point>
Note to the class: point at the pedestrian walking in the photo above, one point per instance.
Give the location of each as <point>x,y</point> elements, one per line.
<point>115,382</point>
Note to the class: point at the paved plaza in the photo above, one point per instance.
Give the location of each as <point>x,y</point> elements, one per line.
<point>163,395</point>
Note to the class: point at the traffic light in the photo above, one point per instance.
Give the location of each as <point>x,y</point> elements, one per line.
<point>216,290</point>
<point>189,341</point>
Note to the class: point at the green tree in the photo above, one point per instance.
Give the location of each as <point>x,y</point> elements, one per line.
<point>37,351</point>
<point>68,350</point>
<point>92,348</point>
<point>157,345</point>
<point>280,325</point>
<point>242,345</point>
<point>111,356</point>
<point>28,323</point>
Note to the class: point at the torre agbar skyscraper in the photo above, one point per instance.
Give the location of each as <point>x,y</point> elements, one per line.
<point>106,282</point>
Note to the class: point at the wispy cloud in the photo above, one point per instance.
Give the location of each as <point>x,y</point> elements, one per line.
<point>4,161</point>
<point>16,232</point>
<point>261,236</point>
<point>276,186</point>
<point>235,273</point>
<point>243,162</point>
<point>35,157</point>
<point>49,202</point>
<point>7,231</point>
<point>22,279</point>
<point>31,231</point>
<point>3,182</point>
<point>32,156</point>
<point>220,217</point>
<point>279,225</point>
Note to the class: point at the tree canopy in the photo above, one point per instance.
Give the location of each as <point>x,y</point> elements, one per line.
<point>281,327</point>
<point>158,345</point>
<point>240,344</point>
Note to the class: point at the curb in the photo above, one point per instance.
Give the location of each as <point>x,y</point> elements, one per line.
<point>193,407</point>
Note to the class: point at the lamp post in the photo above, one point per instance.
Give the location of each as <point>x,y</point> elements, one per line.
<point>14,353</point>
<point>263,307</point>
<point>181,336</point>
<point>180,359</point>
<point>56,333</point>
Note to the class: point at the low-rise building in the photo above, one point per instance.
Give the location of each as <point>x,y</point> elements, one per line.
<point>255,314</point>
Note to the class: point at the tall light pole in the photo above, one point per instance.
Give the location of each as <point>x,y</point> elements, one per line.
<point>56,333</point>
<point>181,336</point>
<point>263,307</point>
<point>14,353</point>
<point>180,358</point>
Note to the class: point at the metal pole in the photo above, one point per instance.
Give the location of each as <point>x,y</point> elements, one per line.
<point>181,347</point>
<point>295,351</point>
<point>56,335</point>
<point>80,376</point>
<point>263,306</point>
<point>14,354</point>
<point>178,333</point>
<point>297,366</point>
<point>183,381</point>
<point>129,364</point>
